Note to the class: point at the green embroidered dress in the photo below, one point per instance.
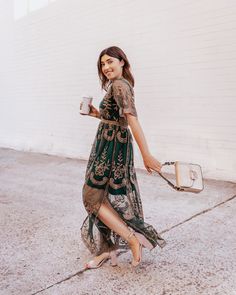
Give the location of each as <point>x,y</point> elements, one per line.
<point>110,174</point>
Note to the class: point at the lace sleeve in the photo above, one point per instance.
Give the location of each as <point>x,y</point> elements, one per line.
<point>124,97</point>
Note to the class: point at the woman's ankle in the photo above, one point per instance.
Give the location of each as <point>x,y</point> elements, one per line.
<point>133,241</point>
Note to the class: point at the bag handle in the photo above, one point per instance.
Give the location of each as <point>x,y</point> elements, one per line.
<point>167,180</point>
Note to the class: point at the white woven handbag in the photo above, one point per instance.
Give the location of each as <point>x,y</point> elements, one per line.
<point>188,177</point>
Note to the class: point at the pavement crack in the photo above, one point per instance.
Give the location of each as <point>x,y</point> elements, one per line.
<point>198,214</point>
<point>61,281</point>
<point>78,273</point>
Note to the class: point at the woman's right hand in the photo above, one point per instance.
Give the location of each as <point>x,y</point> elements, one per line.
<point>151,163</point>
<point>93,112</point>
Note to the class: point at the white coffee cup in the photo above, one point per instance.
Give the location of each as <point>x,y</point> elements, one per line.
<point>85,105</point>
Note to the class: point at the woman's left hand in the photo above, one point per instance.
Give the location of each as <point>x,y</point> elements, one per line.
<point>151,163</point>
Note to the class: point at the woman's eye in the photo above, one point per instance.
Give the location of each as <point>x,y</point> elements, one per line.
<point>109,62</point>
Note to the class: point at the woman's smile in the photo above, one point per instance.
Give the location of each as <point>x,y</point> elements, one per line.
<point>111,67</point>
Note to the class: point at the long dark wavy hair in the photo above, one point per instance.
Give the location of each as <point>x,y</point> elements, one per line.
<point>116,52</point>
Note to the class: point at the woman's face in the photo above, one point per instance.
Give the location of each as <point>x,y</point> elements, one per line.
<point>112,67</point>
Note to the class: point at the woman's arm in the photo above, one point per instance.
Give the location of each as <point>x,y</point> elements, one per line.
<point>150,162</point>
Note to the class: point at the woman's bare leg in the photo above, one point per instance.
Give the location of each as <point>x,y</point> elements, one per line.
<point>112,220</point>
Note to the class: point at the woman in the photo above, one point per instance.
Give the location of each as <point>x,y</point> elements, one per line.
<point>110,193</point>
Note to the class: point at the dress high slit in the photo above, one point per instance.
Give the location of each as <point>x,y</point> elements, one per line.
<point>111,177</point>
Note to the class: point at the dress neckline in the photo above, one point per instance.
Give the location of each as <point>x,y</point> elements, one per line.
<point>122,78</point>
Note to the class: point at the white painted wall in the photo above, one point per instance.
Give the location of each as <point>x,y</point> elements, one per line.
<point>183,57</point>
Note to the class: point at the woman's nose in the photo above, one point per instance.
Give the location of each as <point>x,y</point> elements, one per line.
<point>106,67</point>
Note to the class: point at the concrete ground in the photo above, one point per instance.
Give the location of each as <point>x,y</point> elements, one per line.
<point>41,212</point>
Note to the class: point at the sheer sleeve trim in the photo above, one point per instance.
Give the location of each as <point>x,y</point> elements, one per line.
<point>124,96</point>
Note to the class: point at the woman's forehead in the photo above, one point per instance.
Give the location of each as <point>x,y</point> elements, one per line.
<point>105,57</point>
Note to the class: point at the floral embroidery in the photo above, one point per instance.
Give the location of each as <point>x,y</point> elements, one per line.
<point>120,138</point>
<point>124,97</point>
<point>106,107</point>
<point>98,182</point>
<point>122,205</point>
<point>118,169</point>
<point>117,186</point>
<point>109,130</point>
<point>102,165</point>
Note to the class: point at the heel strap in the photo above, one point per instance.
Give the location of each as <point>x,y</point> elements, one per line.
<point>131,234</point>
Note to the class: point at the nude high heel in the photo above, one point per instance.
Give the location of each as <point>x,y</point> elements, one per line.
<point>113,257</point>
<point>142,242</point>
<point>93,265</point>
<point>137,262</point>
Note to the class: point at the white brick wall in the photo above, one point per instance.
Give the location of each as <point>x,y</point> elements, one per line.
<point>183,57</point>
